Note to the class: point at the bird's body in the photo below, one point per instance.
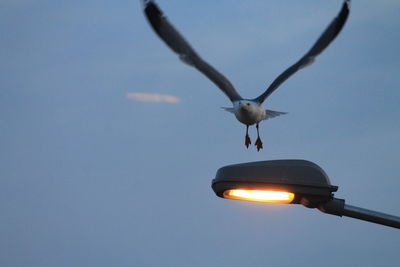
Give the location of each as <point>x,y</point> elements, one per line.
<point>247,111</point>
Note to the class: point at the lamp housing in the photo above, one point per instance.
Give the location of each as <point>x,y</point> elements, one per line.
<point>306,180</point>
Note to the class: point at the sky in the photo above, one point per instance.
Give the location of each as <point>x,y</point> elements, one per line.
<point>109,143</point>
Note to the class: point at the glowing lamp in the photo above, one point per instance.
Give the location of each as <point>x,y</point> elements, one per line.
<point>260,195</point>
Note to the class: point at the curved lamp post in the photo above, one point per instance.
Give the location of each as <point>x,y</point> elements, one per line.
<point>290,182</point>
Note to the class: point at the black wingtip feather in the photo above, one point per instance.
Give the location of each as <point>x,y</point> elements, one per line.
<point>341,18</point>
<point>153,14</point>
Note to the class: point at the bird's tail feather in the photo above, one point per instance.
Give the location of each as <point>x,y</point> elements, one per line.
<point>272,114</point>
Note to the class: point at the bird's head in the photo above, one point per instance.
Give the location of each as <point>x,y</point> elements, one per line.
<point>245,105</point>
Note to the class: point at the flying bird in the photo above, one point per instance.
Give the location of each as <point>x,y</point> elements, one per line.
<point>247,111</point>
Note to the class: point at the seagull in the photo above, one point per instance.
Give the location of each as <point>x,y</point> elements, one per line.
<point>247,111</point>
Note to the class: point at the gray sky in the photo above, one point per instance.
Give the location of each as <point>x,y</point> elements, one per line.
<point>90,175</point>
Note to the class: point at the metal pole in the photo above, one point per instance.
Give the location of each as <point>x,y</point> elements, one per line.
<point>338,207</point>
<point>371,216</point>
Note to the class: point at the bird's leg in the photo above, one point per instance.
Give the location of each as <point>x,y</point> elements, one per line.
<point>247,141</point>
<point>258,142</point>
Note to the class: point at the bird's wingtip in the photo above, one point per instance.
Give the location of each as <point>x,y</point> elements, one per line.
<point>146,3</point>
<point>348,3</point>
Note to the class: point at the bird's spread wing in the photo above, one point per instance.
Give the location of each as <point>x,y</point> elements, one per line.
<point>179,45</point>
<point>272,114</point>
<point>324,40</point>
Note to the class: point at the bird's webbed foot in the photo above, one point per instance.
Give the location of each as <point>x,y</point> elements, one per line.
<point>259,144</point>
<point>247,141</point>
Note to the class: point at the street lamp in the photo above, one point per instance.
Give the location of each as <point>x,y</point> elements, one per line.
<point>290,182</point>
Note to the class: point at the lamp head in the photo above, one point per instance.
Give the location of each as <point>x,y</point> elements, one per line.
<point>276,181</point>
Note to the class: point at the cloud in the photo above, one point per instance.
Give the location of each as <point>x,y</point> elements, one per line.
<point>155,98</point>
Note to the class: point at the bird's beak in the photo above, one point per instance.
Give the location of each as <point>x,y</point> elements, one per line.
<point>242,106</point>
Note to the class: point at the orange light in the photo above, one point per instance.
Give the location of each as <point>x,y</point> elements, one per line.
<point>260,195</point>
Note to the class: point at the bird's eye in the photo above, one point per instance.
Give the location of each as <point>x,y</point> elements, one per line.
<point>248,104</point>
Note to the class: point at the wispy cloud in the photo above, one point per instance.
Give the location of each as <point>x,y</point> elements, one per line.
<point>155,98</point>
